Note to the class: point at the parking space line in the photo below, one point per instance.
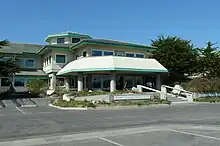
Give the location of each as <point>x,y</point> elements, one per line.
<point>20,110</point>
<point>194,134</point>
<point>110,141</point>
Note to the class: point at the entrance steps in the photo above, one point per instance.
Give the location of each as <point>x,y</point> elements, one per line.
<point>20,102</point>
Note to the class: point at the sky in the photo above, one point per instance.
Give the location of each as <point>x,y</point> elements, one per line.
<point>136,21</point>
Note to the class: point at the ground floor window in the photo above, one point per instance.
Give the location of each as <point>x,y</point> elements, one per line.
<point>106,82</point>
<point>19,82</point>
<point>72,82</point>
<point>60,81</point>
<point>5,82</point>
<point>96,82</point>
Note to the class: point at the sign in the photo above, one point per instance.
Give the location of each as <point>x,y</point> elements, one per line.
<point>131,97</point>
<point>119,53</point>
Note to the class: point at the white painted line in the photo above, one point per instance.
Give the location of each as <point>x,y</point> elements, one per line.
<point>20,110</point>
<point>194,134</point>
<point>110,141</point>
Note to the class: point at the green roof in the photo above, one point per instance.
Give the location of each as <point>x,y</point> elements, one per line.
<point>111,43</point>
<point>61,46</point>
<point>19,48</point>
<point>70,34</point>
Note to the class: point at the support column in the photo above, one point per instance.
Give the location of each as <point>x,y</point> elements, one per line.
<point>52,81</point>
<point>158,81</point>
<point>67,83</point>
<point>113,83</point>
<point>80,82</point>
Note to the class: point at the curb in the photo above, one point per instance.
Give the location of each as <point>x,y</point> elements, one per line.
<point>68,108</point>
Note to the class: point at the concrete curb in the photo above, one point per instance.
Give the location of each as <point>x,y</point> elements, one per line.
<point>68,108</point>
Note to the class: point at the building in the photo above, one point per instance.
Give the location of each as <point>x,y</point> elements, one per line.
<point>77,61</point>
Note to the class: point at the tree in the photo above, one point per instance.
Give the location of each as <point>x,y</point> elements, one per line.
<point>177,55</point>
<point>209,59</point>
<point>10,66</point>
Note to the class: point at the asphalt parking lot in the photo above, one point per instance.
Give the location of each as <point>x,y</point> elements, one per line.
<point>182,125</point>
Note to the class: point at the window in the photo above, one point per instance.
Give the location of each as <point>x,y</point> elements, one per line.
<point>108,53</point>
<point>72,82</point>
<point>60,40</point>
<point>96,82</point>
<point>60,58</point>
<point>5,82</point>
<point>49,59</point>
<point>140,55</point>
<point>84,53</point>
<point>4,59</point>
<point>60,81</point>
<point>75,40</point>
<point>129,55</point>
<point>106,81</point>
<point>19,82</point>
<point>29,63</point>
<point>96,53</point>
<point>119,53</point>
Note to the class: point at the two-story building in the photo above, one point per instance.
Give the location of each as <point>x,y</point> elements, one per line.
<point>80,62</point>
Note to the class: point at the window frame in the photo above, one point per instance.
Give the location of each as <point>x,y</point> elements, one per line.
<point>75,42</point>
<point>139,54</point>
<point>60,38</point>
<point>74,83</point>
<point>21,78</point>
<point>103,53</point>
<point>60,54</point>
<point>97,50</point>
<point>129,53</point>
<point>25,59</point>
<point>1,81</point>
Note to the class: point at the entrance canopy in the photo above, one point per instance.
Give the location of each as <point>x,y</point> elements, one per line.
<point>113,63</point>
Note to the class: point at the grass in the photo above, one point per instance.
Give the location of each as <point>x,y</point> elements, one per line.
<point>207,99</point>
<point>86,103</point>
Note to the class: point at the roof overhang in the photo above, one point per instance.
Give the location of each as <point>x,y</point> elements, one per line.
<point>113,63</point>
<point>111,44</point>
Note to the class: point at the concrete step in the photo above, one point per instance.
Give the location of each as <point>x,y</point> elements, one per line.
<point>26,102</point>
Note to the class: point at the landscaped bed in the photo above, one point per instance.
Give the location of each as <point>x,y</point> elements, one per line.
<point>207,99</point>
<point>93,104</point>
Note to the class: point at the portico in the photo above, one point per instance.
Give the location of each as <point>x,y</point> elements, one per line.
<point>113,72</point>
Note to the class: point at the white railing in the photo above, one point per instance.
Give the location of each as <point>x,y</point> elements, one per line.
<point>163,91</point>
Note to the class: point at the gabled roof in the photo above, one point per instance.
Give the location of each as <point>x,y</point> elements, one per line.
<point>110,43</point>
<point>19,48</point>
<point>70,34</point>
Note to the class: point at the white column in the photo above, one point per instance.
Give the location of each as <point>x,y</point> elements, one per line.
<point>67,83</point>
<point>80,82</point>
<point>113,83</point>
<point>52,81</point>
<point>158,81</point>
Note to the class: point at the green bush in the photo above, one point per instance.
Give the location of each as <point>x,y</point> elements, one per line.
<point>207,99</point>
<point>203,85</point>
<point>37,86</point>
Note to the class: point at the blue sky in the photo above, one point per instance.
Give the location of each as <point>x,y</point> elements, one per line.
<point>137,21</point>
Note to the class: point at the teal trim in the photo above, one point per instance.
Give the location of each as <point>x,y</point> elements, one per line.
<point>68,35</point>
<point>112,69</point>
<point>132,46</point>
<point>46,47</point>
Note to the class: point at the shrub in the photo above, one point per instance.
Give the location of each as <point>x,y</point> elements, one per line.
<point>203,85</point>
<point>37,86</point>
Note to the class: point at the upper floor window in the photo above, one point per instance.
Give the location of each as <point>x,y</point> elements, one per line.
<point>140,55</point>
<point>75,40</point>
<point>119,53</point>
<point>60,40</point>
<point>29,63</point>
<point>96,53</point>
<point>129,55</point>
<point>60,58</point>
<point>108,53</point>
